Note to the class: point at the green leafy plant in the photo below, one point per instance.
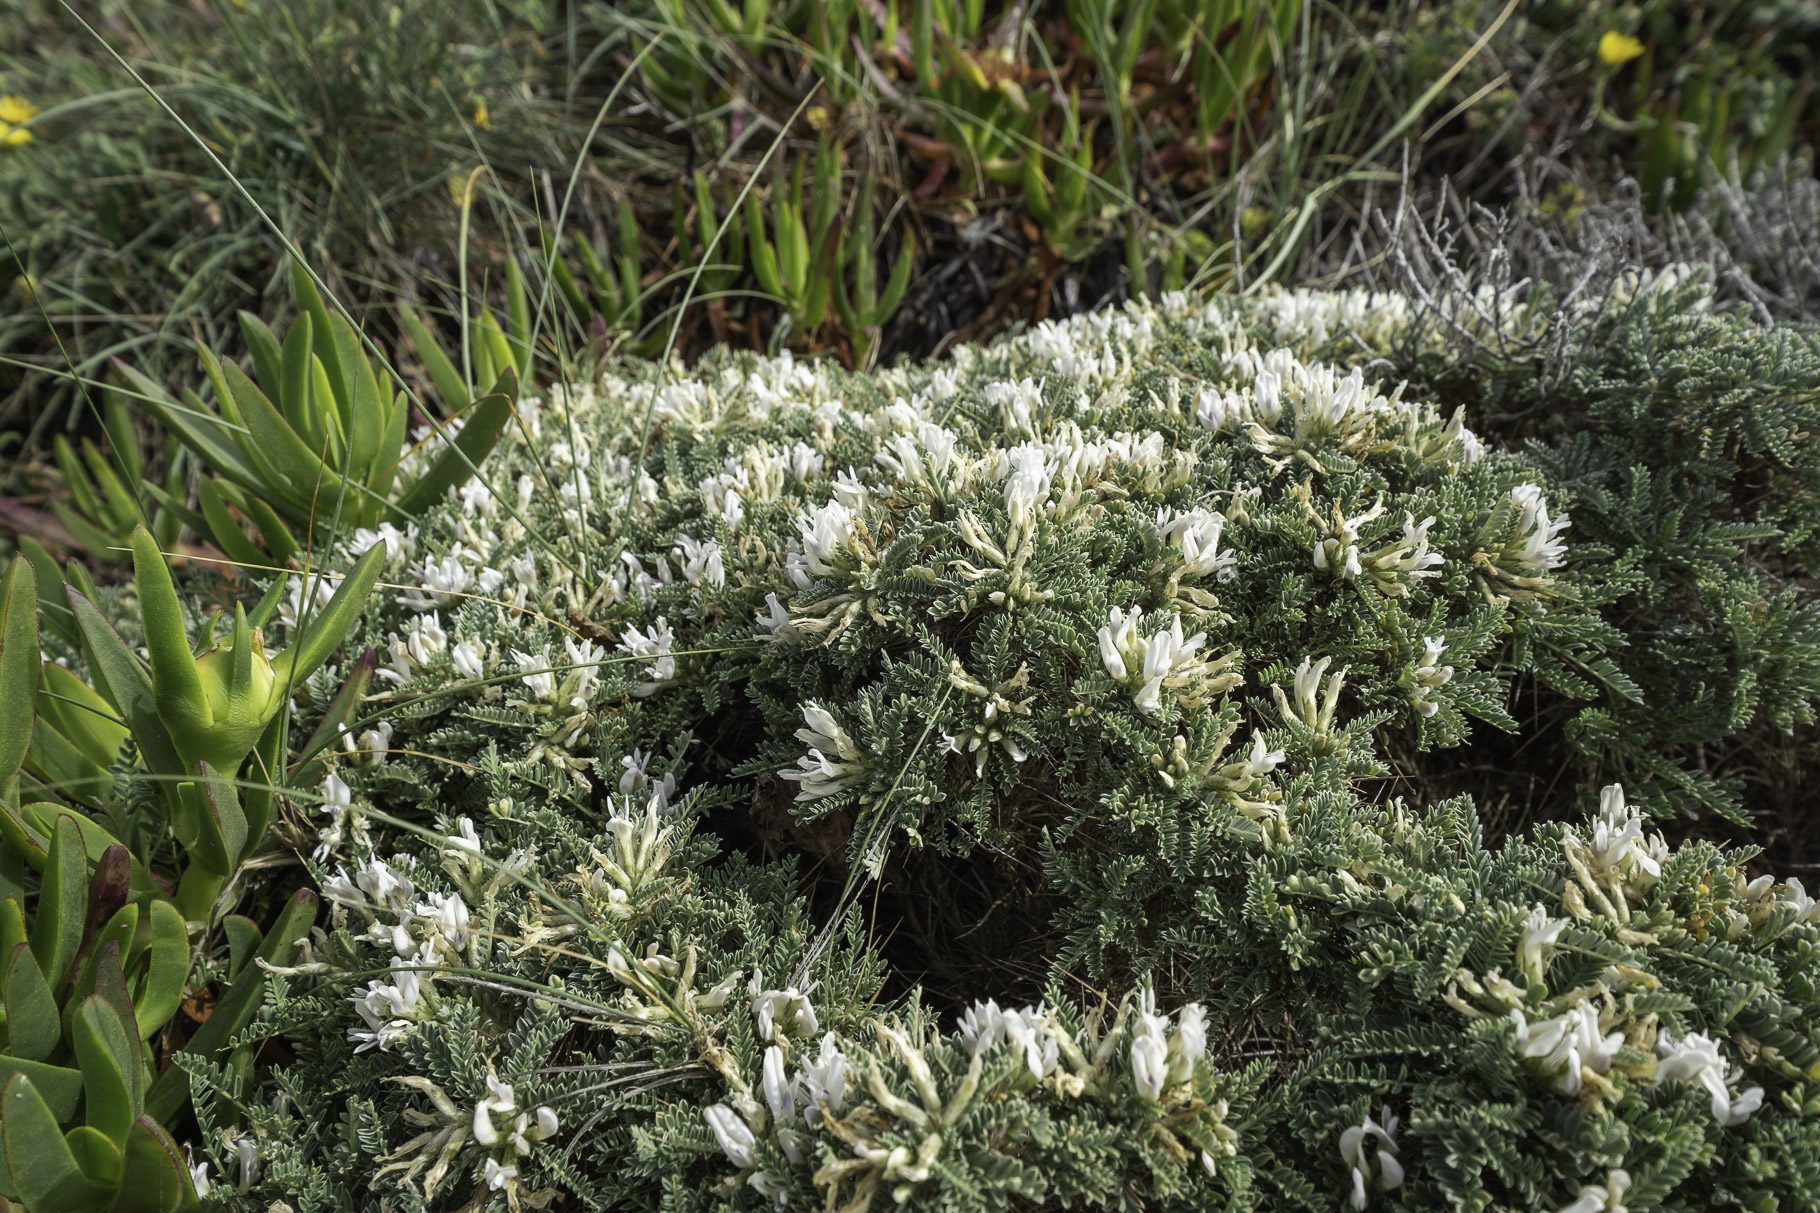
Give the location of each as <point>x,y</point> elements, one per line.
<point>862,308</point>
<point>1068,207</point>
<point>1067,674</point>
<point>105,502</point>
<point>90,975</point>
<point>195,717</point>
<point>314,438</point>
<point>793,256</point>
<point>608,294</point>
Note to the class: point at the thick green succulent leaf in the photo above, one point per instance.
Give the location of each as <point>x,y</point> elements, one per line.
<point>486,421</point>
<point>322,337</point>
<point>449,383</point>
<point>295,398</point>
<point>238,1005</point>
<point>99,1157</point>
<point>79,713</point>
<point>331,624</point>
<point>62,900</point>
<point>36,823</point>
<point>107,948</point>
<point>153,1177</point>
<point>220,824</point>
<point>111,1072</point>
<point>59,1086</point>
<point>33,1025</point>
<point>268,356</point>
<point>206,435</point>
<point>223,530</point>
<point>168,950</point>
<point>176,684</point>
<point>44,1170</point>
<point>121,678</point>
<point>244,938</point>
<point>19,662</point>
<point>309,482</point>
<point>53,610</point>
<point>52,758</point>
<point>262,777</point>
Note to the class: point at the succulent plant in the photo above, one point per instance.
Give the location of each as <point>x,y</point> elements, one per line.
<point>90,974</point>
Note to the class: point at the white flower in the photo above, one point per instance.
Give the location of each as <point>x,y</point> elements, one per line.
<point>780,1092</point>
<point>1794,893</point>
<point>583,673</point>
<point>1189,1042</point>
<point>1617,840</point>
<point>826,537</point>
<point>833,763</point>
<point>1607,1197</point>
<point>498,1177</point>
<point>375,744</point>
<point>446,918</point>
<point>1696,1058</point>
<point>1566,1044</point>
<point>469,660</point>
<point>1221,410</point>
<point>1314,704</point>
<point>700,560</point>
<point>439,583</point>
<point>399,544</point>
<point>1429,676</point>
<point>1537,944</point>
<point>465,839</point>
<point>825,1080</point>
<point>387,1008</point>
<point>386,887</point>
<point>1542,548</point>
<point>1026,482</point>
<point>199,1174</point>
<point>654,644</point>
<point>246,1153</point>
<point>1019,405</point>
<point>484,1132</point>
<point>538,676</point>
<point>782,1012</point>
<point>1374,1170</point>
<point>1196,534</point>
<point>337,799</point>
<point>981,1026</point>
<point>1149,1054</point>
<point>1146,663</point>
<point>736,1140</point>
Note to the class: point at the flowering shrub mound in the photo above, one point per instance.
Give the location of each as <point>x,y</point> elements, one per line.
<point>1124,605</point>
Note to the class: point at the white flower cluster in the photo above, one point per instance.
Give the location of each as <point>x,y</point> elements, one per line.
<point>422,933</point>
<point>900,1140</point>
<point>1428,676</point>
<point>513,1141</point>
<point>1162,662</point>
<point>834,762</point>
<point>1696,1058</point>
<point>1369,1152</point>
<point>1159,1059</point>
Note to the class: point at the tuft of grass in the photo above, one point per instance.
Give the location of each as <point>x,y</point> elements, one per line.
<point>344,120</point>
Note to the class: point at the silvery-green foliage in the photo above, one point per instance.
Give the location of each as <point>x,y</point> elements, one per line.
<point>1140,586</point>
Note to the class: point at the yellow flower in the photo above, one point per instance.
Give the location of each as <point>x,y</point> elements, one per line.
<point>1616,48</point>
<point>481,118</point>
<point>15,112</point>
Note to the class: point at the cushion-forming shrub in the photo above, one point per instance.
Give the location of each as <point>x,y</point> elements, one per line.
<point>1126,597</point>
